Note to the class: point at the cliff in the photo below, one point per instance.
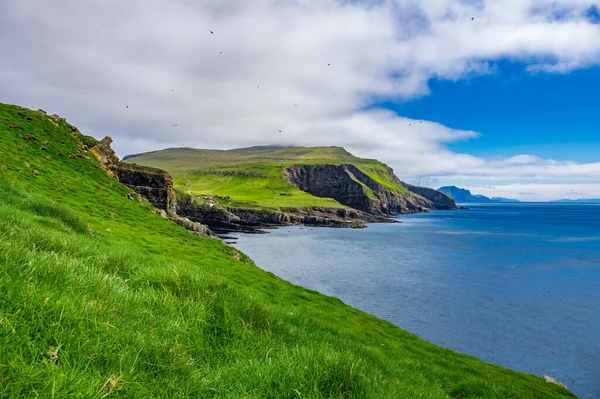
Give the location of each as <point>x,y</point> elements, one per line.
<point>153,184</point>
<point>439,199</point>
<point>351,187</point>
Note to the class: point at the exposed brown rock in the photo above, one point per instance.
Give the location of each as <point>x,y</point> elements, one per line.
<point>106,155</point>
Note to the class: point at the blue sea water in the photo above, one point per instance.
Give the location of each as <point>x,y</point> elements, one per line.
<point>514,284</point>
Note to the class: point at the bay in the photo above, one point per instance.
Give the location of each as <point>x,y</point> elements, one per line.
<point>514,284</point>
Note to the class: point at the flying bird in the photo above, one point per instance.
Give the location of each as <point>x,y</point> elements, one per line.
<point>211,32</point>
<point>127,106</point>
<point>473,19</point>
<point>328,64</point>
<point>221,52</point>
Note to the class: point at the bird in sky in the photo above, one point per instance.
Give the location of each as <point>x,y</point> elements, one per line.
<point>127,106</point>
<point>211,32</point>
<point>472,18</point>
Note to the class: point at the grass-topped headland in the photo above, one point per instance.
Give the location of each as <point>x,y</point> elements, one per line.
<point>100,297</point>
<point>255,177</point>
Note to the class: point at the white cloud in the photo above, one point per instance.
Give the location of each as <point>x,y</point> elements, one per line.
<point>265,69</point>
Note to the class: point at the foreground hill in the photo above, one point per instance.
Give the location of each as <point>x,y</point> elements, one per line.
<point>101,296</point>
<point>291,180</point>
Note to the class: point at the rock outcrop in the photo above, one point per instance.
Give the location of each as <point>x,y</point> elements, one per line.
<point>351,187</point>
<point>439,199</point>
<point>154,184</point>
<point>255,220</point>
<point>106,155</point>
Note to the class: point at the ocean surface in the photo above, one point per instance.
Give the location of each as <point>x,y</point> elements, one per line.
<point>514,284</point>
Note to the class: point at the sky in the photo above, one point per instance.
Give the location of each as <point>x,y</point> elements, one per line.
<point>500,97</point>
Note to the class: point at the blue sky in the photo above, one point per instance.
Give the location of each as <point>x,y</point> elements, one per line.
<point>506,89</point>
<point>555,116</point>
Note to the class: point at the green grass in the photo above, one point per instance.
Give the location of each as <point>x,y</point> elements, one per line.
<point>264,183</point>
<point>100,297</point>
<point>251,192</point>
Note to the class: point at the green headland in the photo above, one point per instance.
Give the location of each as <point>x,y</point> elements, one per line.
<point>254,177</point>
<point>102,297</point>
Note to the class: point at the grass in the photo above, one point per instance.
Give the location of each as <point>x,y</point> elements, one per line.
<point>252,192</point>
<point>260,182</point>
<point>101,297</point>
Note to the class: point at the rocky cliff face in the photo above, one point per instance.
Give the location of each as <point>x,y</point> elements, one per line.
<point>351,187</point>
<point>254,220</point>
<point>153,184</point>
<point>439,199</point>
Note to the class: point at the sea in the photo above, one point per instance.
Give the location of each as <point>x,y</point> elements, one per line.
<point>516,285</point>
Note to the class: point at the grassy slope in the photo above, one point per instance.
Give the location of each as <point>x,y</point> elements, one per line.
<point>146,309</point>
<point>265,188</point>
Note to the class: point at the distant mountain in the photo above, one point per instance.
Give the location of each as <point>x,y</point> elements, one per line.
<point>580,201</point>
<point>462,195</point>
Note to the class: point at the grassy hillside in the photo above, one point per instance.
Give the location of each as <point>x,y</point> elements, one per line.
<point>259,182</point>
<point>100,297</point>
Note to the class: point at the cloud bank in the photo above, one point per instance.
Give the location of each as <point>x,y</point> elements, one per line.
<point>309,68</point>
